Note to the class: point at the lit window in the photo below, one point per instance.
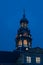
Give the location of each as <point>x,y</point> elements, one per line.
<point>28,59</point>
<point>20,43</point>
<point>25,42</point>
<point>37,59</point>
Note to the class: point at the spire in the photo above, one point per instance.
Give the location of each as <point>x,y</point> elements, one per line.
<point>24,13</point>
<point>24,19</point>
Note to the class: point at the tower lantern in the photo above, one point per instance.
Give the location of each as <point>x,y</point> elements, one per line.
<point>23,38</point>
<point>24,21</point>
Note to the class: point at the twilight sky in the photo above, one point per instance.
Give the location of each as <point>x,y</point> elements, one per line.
<point>11,12</point>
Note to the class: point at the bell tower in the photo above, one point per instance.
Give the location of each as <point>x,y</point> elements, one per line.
<point>23,37</point>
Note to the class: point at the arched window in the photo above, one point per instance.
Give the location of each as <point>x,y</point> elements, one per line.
<point>20,43</point>
<point>25,43</point>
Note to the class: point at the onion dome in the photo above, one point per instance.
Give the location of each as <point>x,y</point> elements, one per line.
<point>24,20</point>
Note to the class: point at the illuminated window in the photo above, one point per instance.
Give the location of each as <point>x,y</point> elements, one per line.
<point>20,43</point>
<point>28,59</point>
<point>37,59</point>
<point>25,42</point>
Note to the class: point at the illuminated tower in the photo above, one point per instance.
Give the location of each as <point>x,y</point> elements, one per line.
<point>23,37</point>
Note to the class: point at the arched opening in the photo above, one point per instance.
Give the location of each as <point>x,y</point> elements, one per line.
<point>20,43</point>
<point>25,43</point>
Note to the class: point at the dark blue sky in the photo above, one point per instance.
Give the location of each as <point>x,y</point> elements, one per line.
<point>11,12</point>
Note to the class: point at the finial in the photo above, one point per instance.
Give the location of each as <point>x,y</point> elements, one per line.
<point>24,13</point>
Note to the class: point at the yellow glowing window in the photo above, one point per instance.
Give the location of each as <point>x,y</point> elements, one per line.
<point>25,42</point>
<point>37,59</point>
<point>20,43</point>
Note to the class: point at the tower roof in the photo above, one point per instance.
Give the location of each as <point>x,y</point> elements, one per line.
<point>24,19</point>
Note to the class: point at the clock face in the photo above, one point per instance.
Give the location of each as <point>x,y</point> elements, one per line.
<point>25,34</point>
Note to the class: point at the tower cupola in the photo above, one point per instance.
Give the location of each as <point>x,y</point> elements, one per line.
<point>24,21</point>
<point>23,37</point>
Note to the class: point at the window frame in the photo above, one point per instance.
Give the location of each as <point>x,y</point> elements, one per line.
<point>28,59</point>
<point>20,44</point>
<point>25,44</point>
<point>38,60</point>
